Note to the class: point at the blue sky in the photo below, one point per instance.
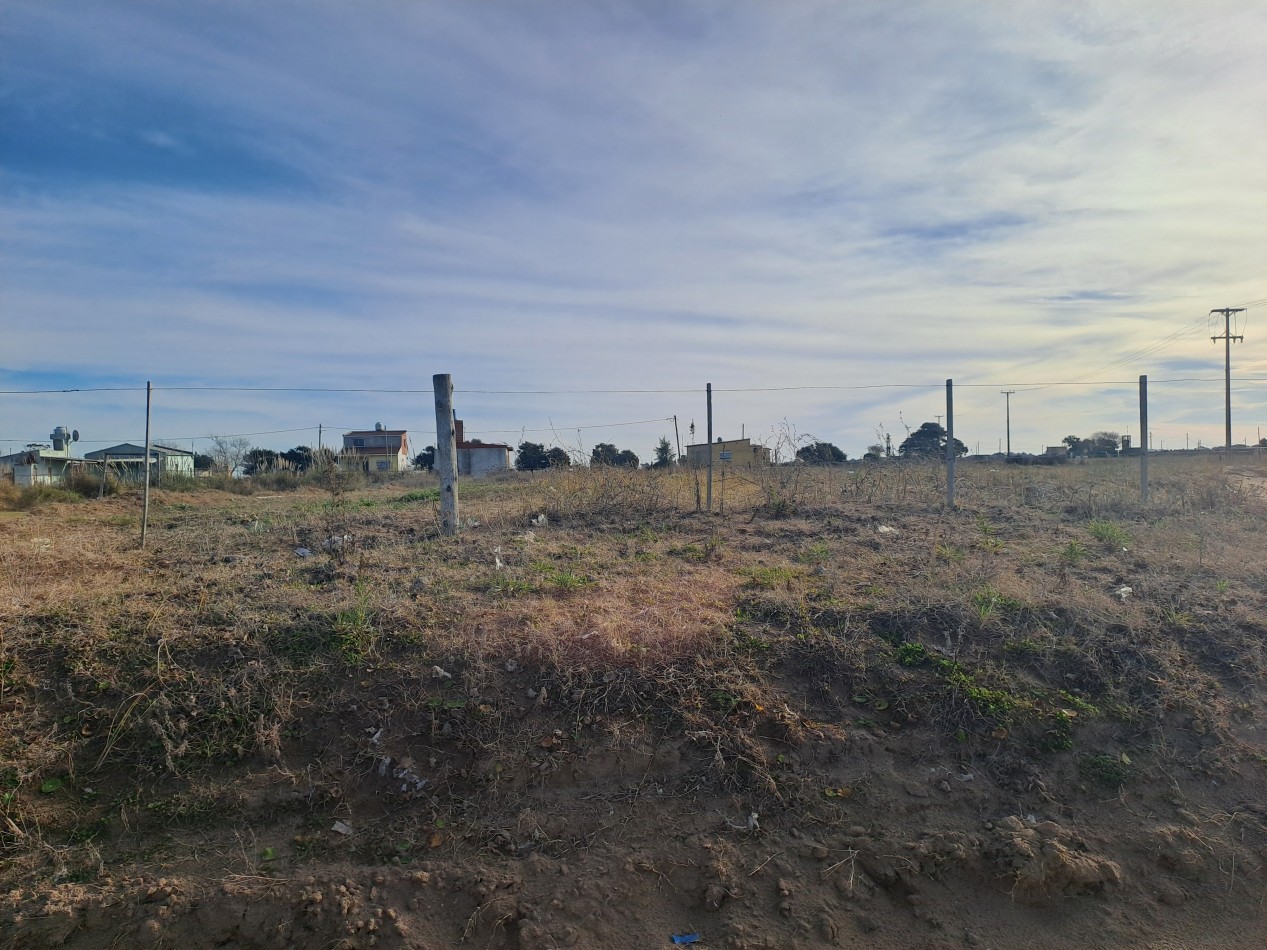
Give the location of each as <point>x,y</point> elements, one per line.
<point>591,196</point>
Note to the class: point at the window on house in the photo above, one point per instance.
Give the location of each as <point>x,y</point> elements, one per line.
<point>383,465</point>
<point>358,443</point>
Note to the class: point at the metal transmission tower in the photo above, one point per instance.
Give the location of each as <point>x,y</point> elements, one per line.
<point>1227,339</point>
<point>1009,393</point>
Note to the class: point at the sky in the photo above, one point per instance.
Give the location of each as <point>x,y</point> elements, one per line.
<point>584,211</point>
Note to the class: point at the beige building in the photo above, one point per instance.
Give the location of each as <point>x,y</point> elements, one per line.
<point>736,453</point>
<point>375,450</point>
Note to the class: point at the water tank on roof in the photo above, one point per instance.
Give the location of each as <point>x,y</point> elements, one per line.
<point>62,437</point>
<point>378,427</point>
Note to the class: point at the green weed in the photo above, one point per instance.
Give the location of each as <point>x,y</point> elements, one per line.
<point>355,636</point>
<point>1108,533</point>
<point>911,654</point>
<point>1074,553</point>
<point>769,577</point>
<point>1107,770</point>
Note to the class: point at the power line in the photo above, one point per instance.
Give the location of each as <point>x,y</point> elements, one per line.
<point>1078,381</point>
<point>98,389</point>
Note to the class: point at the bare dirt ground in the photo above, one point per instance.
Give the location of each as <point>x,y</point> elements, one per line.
<point>835,715</point>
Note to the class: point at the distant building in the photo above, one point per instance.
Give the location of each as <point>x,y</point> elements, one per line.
<point>375,450</point>
<point>128,460</point>
<point>476,458</point>
<point>1057,451</point>
<point>41,464</point>
<point>736,453</point>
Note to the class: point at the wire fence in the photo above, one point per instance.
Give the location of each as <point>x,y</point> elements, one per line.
<point>982,424</point>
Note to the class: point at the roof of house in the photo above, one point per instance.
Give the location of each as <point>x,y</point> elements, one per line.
<point>703,445</point>
<point>376,432</point>
<point>129,450</point>
<point>484,445</point>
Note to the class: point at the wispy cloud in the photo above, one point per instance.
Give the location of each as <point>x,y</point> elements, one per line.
<point>640,196</point>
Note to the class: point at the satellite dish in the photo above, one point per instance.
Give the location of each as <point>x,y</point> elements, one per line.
<point>74,435</point>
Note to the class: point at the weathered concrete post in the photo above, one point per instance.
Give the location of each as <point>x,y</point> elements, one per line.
<point>446,453</point>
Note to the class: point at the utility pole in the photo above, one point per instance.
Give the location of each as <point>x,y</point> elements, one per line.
<point>950,443</point>
<point>1143,437</point>
<point>677,436</point>
<point>1007,395</point>
<point>145,500</point>
<point>708,390</point>
<point>1227,339</point>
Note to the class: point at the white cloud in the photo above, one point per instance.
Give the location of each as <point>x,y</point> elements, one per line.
<point>577,196</point>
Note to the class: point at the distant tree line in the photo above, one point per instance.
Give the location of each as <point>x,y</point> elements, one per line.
<point>1096,445</point>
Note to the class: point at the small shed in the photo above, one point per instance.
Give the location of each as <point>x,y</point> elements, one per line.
<point>128,459</point>
<point>736,453</point>
<point>476,458</point>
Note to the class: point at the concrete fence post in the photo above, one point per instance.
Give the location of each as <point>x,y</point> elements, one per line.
<point>446,461</point>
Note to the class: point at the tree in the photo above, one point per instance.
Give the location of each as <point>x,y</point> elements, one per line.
<point>228,451</point>
<point>607,454</point>
<point>821,453</point>
<point>664,454</point>
<point>531,457</point>
<point>203,463</point>
<point>928,441</point>
<point>604,454</point>
<point>258,461</point>
<point>1103,443</point>
<point>299,458</point>
<point>426,459</point>
<point>874,452</point>
<point>557,458</point>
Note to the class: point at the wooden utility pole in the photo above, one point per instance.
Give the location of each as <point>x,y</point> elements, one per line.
<point>145,494</point>
<point>677,436</point>
<point>1008,394</point>
<point>1143,437</point>
<point>1227,339</point>
<point>950,443</point>
<point>446,453</point>
<point>708,495</point>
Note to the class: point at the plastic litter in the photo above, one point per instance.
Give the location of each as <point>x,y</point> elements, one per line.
<point>342,828</point>
<point>303,552</point>
<point>685,938</point>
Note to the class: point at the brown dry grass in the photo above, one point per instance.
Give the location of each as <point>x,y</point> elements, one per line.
<point>137,683</point>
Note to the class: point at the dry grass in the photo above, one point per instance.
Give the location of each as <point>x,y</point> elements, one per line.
<point>148,676</point>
